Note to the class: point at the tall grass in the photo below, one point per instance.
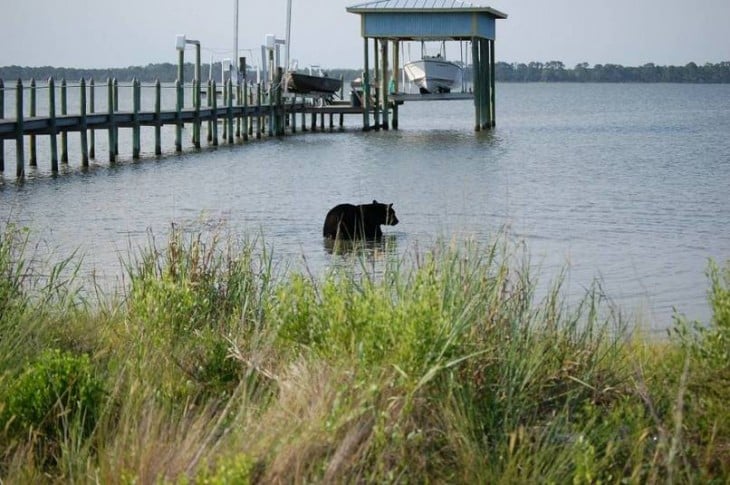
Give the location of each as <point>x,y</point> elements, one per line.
<point>212,366</point>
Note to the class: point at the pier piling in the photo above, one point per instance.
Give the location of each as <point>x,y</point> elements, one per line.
<point>110,110</point>
<point>158,122</point>
<point>33,158</point>
<point>178,115</point>
<point>136,101</point>
<point>215,116</point>
<point>52,131</point>
<point>20,163</point>
<point>64,112</point>
<point>116,110</point>
<point>83,124</point>
<point>229,112</point>
<point>92,135</point>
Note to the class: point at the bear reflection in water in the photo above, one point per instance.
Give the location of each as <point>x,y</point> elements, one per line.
<point>358,222</point>
<point>370,248</point>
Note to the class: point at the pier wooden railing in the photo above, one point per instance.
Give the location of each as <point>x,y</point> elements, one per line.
<point>246,111</point>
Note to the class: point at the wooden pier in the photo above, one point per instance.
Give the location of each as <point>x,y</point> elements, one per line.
<point>245,111</point>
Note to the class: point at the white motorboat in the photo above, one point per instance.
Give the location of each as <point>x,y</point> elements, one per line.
<point>433,74</point>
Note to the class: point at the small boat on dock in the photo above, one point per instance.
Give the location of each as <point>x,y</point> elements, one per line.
<point>433,74</point>
<point>300,83</point>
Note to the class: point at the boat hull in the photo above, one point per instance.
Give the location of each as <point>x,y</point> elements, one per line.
<point>308,84</point>
<point>433,75</point>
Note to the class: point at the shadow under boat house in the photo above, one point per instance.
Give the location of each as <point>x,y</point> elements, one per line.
<point>393,21</point>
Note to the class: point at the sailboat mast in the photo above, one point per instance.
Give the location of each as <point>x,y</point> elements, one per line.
<point>288,35</point>
<point>235,40</point>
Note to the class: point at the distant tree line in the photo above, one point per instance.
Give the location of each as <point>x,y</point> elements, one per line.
<point>555,71</point>
<point>552,71</point>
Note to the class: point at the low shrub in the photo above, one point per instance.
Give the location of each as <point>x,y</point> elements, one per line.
<point>58,395</point>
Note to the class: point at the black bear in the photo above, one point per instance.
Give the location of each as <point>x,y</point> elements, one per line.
<point>347,221</point>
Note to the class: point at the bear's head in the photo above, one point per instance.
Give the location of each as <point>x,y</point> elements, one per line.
<point>388,213</point>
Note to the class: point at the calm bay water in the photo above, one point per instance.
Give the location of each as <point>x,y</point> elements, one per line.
<point>626,183</point>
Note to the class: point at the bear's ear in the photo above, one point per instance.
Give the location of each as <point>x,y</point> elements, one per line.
<point>375,201</point>
<point>390,206</point>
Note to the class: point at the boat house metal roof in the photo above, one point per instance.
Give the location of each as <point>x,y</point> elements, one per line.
<point>426,19</point>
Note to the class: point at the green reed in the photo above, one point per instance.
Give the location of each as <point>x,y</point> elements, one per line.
<point>213,366</point>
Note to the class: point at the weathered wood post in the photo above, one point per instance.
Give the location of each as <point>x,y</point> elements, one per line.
<point>294,114</point>
<point>258,110</point>
<point>279,108</point>
<point>384,81</point>
<point>251,101</point>
<point>181,69</point>
<point>215,116</point>
<point>92,135</point>
<point>196,113</point>
<point>239,102</point>
<point>244,87</point>
<point>136,101</point>
<point>20,160</point>
<point>158,122</point>
<point>246,117</point>
<point>210,96</point>
<point>304,118</point>
<point>314,120</point>
<point>396,82</point>
<point>271,102</point>
<point>366,88</point>
<point>84,123</point>
<point>178,116</point>
<point>64,134</point>
<point>224,87</point>
<point>2,115</point>
<point>116,110</point>
<point>229,111</point>
<point>52,124</point>
<point>376,84</point>
<point>476,81</point>
<point>198,80</point>
<point>487,96</point>
<point>493,82</point>
<point>110,111</point>
<point>32,160</point>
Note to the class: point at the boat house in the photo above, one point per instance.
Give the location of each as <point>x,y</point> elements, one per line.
<point>394,21</point>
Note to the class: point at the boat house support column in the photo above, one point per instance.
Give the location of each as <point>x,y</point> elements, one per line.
<point>476,81</point>
<point>384,81</point>
<point>493,82</point>
<point>487,84</point>
<point>366,87</point>
<point>376,84</point>
<point>396,84</point>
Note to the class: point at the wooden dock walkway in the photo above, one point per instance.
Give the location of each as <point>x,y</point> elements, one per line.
<point>245,111</point>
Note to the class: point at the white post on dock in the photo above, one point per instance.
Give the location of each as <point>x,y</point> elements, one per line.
<point>287,41</point>
<point>235,38</point>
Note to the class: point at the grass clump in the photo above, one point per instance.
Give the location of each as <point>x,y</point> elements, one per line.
<point>445,366</point>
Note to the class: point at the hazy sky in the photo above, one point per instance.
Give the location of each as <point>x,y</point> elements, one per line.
<point>103,33</point>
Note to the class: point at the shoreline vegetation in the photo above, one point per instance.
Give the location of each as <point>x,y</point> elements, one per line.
<point>212,365</point>
<point>552,71</point>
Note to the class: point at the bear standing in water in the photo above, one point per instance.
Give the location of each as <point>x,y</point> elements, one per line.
<point>347,221</point>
